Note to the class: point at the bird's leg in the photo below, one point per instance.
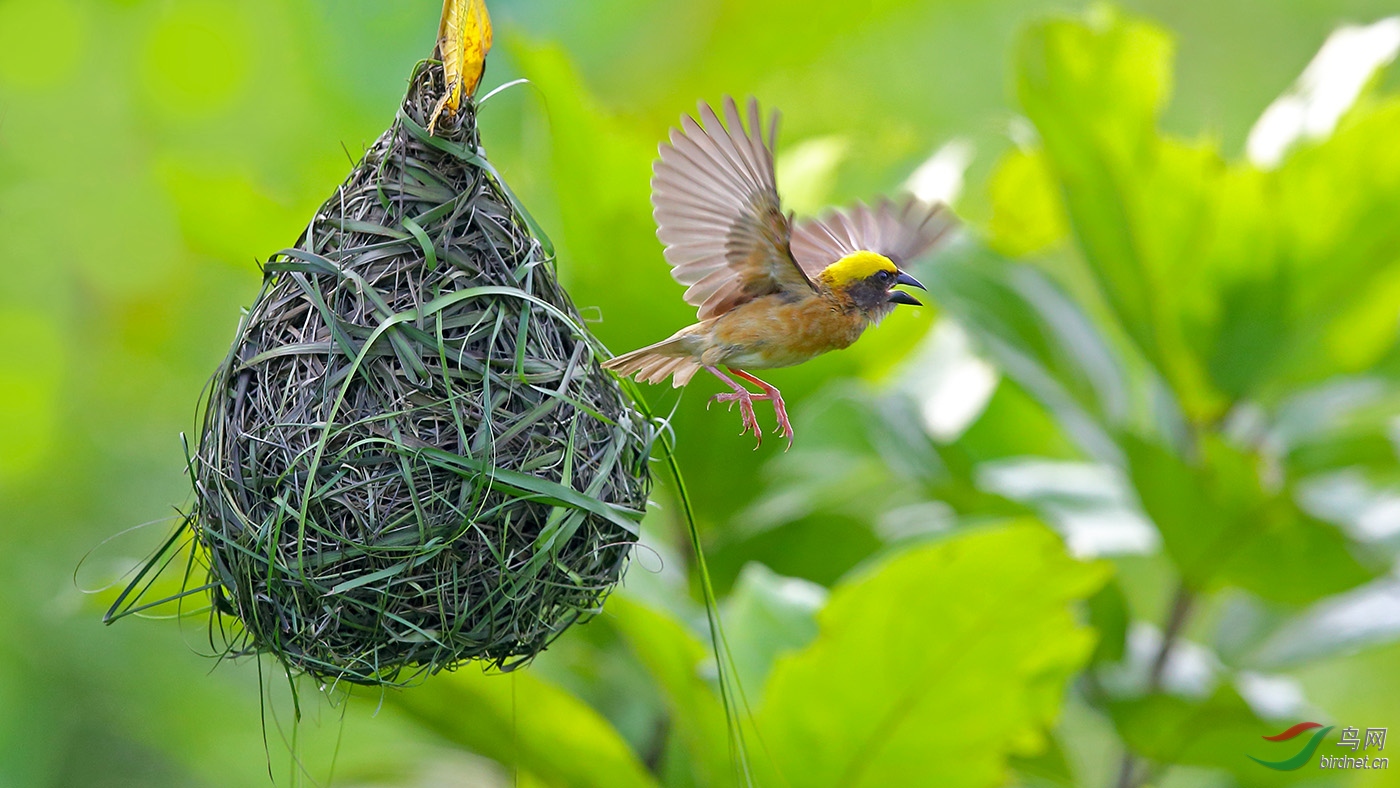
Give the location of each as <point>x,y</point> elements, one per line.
<point>771,394</point>
<point>742,396</point>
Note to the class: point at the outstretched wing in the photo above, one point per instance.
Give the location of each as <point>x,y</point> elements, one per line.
<point>717,212</point>
<point>900,231</point>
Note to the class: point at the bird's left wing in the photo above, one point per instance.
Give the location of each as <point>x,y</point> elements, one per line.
<point>716,205</point>
<point>900,231</point>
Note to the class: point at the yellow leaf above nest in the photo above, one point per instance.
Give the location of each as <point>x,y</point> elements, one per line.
<point>464,38</point>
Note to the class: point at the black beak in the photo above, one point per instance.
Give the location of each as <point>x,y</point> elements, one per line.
<point>901,297</point>
<point>906,279</point>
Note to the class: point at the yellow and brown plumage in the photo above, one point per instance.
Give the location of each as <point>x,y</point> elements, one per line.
<point>770,293</point>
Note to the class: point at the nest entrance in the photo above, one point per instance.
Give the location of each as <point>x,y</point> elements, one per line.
<point>411,456</point>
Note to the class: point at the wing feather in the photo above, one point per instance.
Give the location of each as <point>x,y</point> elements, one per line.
<point>900,231</point>
<point>717,211</point>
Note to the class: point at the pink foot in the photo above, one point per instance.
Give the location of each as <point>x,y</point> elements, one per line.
<point>771,394</point>
<point>784,426</point>
<point>745,399</point>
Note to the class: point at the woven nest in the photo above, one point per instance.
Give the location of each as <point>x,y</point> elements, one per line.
<point>411,456</point>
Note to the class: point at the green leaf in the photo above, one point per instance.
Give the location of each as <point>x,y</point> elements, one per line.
<point>1094,93</point>
<point>870,473</point>
<point>1229,279</point>
<point>1343,424</point>
<point>600,168</point>
<point>932,667</point>
<point>1049,768</point>
<point>1044,340</point>
<point>1108,613</point>
<point>1326,632</point>
<point>1221,527</point>
<point>765,616</point>
<point>519,718</point>
<point>1343,264</point>
<point>1138,204</point>
<point>675,659</point>
<point>1219,732</point>
<point>1028,215</point>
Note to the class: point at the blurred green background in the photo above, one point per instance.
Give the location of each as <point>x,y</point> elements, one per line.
<point>1130,485</point>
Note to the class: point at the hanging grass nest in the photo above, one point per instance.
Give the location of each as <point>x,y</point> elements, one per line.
<point>411,456</point>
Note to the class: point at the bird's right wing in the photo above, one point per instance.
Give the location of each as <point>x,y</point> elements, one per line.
<point>900,231</point>
<point>716,205</point>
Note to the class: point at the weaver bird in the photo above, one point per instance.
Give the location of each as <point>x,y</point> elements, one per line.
<point>771,292</point>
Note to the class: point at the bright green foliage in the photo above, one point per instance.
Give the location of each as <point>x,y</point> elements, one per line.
<point>1028,217</point>
<point>529,724</point>
<point>1094,93</point>
<point>1214,732</point>
<point>1221,528</point>
<point>951,680</point>
<point>1210,280</point>
<point>950,683</point>
<point>673,658</point>
<point>765,616</point>
<point>1108,615</point>
<point>1216,306</point>
<point>1232,281</point>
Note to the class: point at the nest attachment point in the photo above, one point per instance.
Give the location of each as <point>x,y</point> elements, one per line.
<point>411,456</point>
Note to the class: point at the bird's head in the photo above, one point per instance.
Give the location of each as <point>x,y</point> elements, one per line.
<point>866,280</point>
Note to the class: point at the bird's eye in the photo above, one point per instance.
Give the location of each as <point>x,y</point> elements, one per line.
<point>884,276</point>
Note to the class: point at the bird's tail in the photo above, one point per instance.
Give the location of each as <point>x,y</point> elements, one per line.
<point>655,363</point>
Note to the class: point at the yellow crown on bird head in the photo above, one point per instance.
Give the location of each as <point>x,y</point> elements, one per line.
<point>856,267</point>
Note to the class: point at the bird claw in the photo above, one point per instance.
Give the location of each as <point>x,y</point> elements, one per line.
<point>784,426</point>
<point>746,398</point>
<point>745,411</point>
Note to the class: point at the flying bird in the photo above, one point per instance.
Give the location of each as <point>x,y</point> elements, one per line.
<point>771,292</point>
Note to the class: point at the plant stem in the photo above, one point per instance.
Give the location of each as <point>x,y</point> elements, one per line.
<point>1126,769</point>
<point>1176,619</point>
<point>1129,776</point>
<point>731,694</point>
